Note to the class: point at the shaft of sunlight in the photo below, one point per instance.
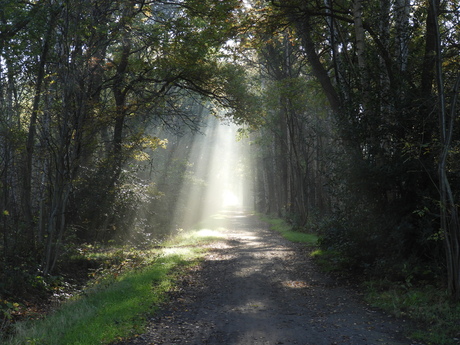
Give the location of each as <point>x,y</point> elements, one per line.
<point>218,178</point>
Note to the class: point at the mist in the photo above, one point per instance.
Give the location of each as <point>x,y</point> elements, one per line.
<point>200,174</point>
<point>217,178</point>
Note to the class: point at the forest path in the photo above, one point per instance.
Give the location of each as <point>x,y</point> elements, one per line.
<point>255,287</point>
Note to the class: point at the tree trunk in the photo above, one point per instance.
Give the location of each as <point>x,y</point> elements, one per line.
<point>402,10</point>
<point>450,223</point>
<point>360,48</point>
<point>317,68</point>
<point>30,143</point>
<point>119,92</point>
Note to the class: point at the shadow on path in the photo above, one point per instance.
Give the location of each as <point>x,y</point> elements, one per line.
<point>257,288</point>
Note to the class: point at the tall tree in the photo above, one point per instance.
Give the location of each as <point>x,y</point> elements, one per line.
<point>95,77</point>
<point>447,112</point>
<point>376,66</point>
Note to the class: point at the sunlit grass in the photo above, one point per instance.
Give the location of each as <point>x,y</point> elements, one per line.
<point>117,304</point>
<point>328,260</point>
<point>286,231</point>
<point>194,237</point>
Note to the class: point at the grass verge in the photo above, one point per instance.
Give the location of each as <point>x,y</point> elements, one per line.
<point>286,231</point>
<point>437,318</point>
<point>116,305</point>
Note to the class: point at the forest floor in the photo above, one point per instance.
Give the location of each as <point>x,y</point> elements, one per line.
<point>255,287</point>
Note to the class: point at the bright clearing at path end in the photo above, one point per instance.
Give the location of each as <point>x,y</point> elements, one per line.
<point>220,172</point>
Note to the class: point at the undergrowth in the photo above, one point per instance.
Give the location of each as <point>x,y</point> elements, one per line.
<point>121,296</point>
<point>434,317</point>
<point>437,318</point>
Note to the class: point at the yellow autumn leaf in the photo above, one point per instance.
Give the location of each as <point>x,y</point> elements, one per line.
<point>141,156</point>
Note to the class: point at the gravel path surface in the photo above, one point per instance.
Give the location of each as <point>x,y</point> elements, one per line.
<point>257,288</point>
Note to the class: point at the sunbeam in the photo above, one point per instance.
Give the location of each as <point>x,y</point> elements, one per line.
<point>218,175</point>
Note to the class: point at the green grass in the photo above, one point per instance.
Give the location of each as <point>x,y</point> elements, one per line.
<point>195,237</point>
<point>116,304</point>
<point>295,236</point>
<point>286,231</point>
<point>437,318</point>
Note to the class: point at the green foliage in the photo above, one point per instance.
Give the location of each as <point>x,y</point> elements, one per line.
<point>7,310</point>
<point>381,163</point>
<point>20,277</point>
<point>84,85</point>
<point>357,246</point>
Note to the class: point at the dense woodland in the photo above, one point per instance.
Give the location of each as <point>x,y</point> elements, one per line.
<point>348,108</point>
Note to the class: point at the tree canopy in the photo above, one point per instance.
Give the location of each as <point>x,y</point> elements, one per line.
<point>362,111</point>
<point>350,108</point>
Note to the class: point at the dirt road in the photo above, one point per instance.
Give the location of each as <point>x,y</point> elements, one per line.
<point>257,288</point>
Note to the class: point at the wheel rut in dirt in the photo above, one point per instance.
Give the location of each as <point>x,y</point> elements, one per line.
<point>257,288</point>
